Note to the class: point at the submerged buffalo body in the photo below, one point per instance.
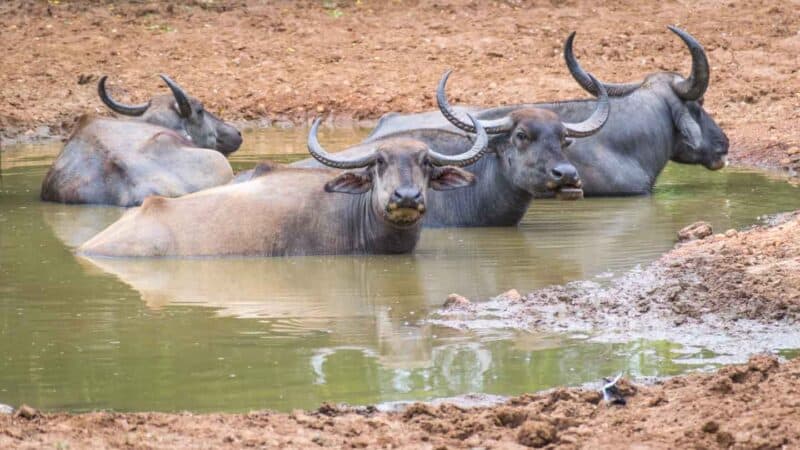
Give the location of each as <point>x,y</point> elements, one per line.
<point>172,148</point>
<point>375,208</point>
<point>650,123</point>
<point>524,159</point>
<point>118,162</point>
<point>182,113</point>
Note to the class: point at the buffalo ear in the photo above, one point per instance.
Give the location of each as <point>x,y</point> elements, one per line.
<point>450,177</point>
<point>350,183</point>
<point>689,128</point>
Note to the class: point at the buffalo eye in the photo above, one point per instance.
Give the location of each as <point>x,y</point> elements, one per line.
<point>380,162</point>
<point>521,135</point>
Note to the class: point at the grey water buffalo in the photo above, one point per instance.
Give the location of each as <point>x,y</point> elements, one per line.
<point>524,159</point>
<point>180,112</point>
<point>172,148</point>
<point>120,162</point>
<point>375,207</point>
<point>652,122</point>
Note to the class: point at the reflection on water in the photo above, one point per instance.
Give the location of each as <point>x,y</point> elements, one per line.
<point>241,333</point>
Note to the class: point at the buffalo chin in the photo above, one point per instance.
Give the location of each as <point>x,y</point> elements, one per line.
<point>718,164</point>
<point>404,216</point>
<point>569,193</point>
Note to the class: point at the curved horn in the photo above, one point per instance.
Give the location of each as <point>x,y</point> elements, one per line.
<point>585,80</point>
<point>470,156</point>
<point>128,110</point>
<point>184,107</point>
<point>491,126</point>
<point>695,86</point>
<point>321,155</point>
<point>598,118</point>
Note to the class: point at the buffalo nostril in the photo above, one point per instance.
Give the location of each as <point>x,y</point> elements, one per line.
<point>565,173</point>
<point>407,197</point>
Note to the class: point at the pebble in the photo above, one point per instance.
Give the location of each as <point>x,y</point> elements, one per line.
<point>697,230</point>
<point>27,412</point>
<point>511,295</point>
<point>456,300</point>
<point>731,233</point>
<point>5,409</point>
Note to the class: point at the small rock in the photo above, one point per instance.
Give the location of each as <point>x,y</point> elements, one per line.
<point>711,427</point>
<point>725,439</point>
<point>731,233</point>
<point>320,109</point>
<point>793,151</point>
<point>5,409</point>
<point>27,412</point>
<point>697,230</point>
<point>785,161</point>
<point>456,301</point>
<point>511,295</point>
<point>85,78</point>
<point>536,434</point>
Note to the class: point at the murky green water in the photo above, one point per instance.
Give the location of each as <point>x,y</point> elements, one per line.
<point>284,333</point>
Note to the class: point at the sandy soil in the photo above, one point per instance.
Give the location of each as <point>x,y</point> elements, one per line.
<point>751,406</point>
<point>288,60</point>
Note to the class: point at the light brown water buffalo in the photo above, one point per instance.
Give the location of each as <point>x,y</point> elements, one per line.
<point>121,162</point>
<point>376,207</point>
<point>182,113</point>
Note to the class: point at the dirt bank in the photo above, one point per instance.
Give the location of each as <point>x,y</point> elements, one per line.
<point>715,292</point>
<point>288,60</point>
<point>745,407</point>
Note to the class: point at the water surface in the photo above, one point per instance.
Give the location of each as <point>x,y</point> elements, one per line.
<point>244,333</point>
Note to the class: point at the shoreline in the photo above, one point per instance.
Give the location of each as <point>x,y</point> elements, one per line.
<point>746,406</point>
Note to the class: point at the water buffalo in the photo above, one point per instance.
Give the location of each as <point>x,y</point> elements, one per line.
<point>175,147</point>
<point>120,162</point>
<point>524,159</point>
<point>182,113</point>
<point>652,122</point>
<point>375,208</point>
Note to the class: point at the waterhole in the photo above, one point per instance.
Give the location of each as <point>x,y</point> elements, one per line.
<point>238,334</point>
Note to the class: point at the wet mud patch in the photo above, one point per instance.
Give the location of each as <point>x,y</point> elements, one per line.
<point>712,293</point>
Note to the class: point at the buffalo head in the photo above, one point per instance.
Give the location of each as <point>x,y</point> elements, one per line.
<point>398,172</point>
<point>181,112</point>
<point>529,143</point>
<point>699,140</point>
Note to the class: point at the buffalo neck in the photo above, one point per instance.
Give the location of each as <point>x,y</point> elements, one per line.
<point>369,232</point>
<point>491,201</point>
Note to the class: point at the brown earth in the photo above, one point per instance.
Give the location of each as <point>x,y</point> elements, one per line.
<point>285,61</point>
<point>750,406</point>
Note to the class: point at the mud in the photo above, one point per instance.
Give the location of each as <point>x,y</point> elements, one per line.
<point>748,406</point>
<point>715,292</point>
<point>283,62</point>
